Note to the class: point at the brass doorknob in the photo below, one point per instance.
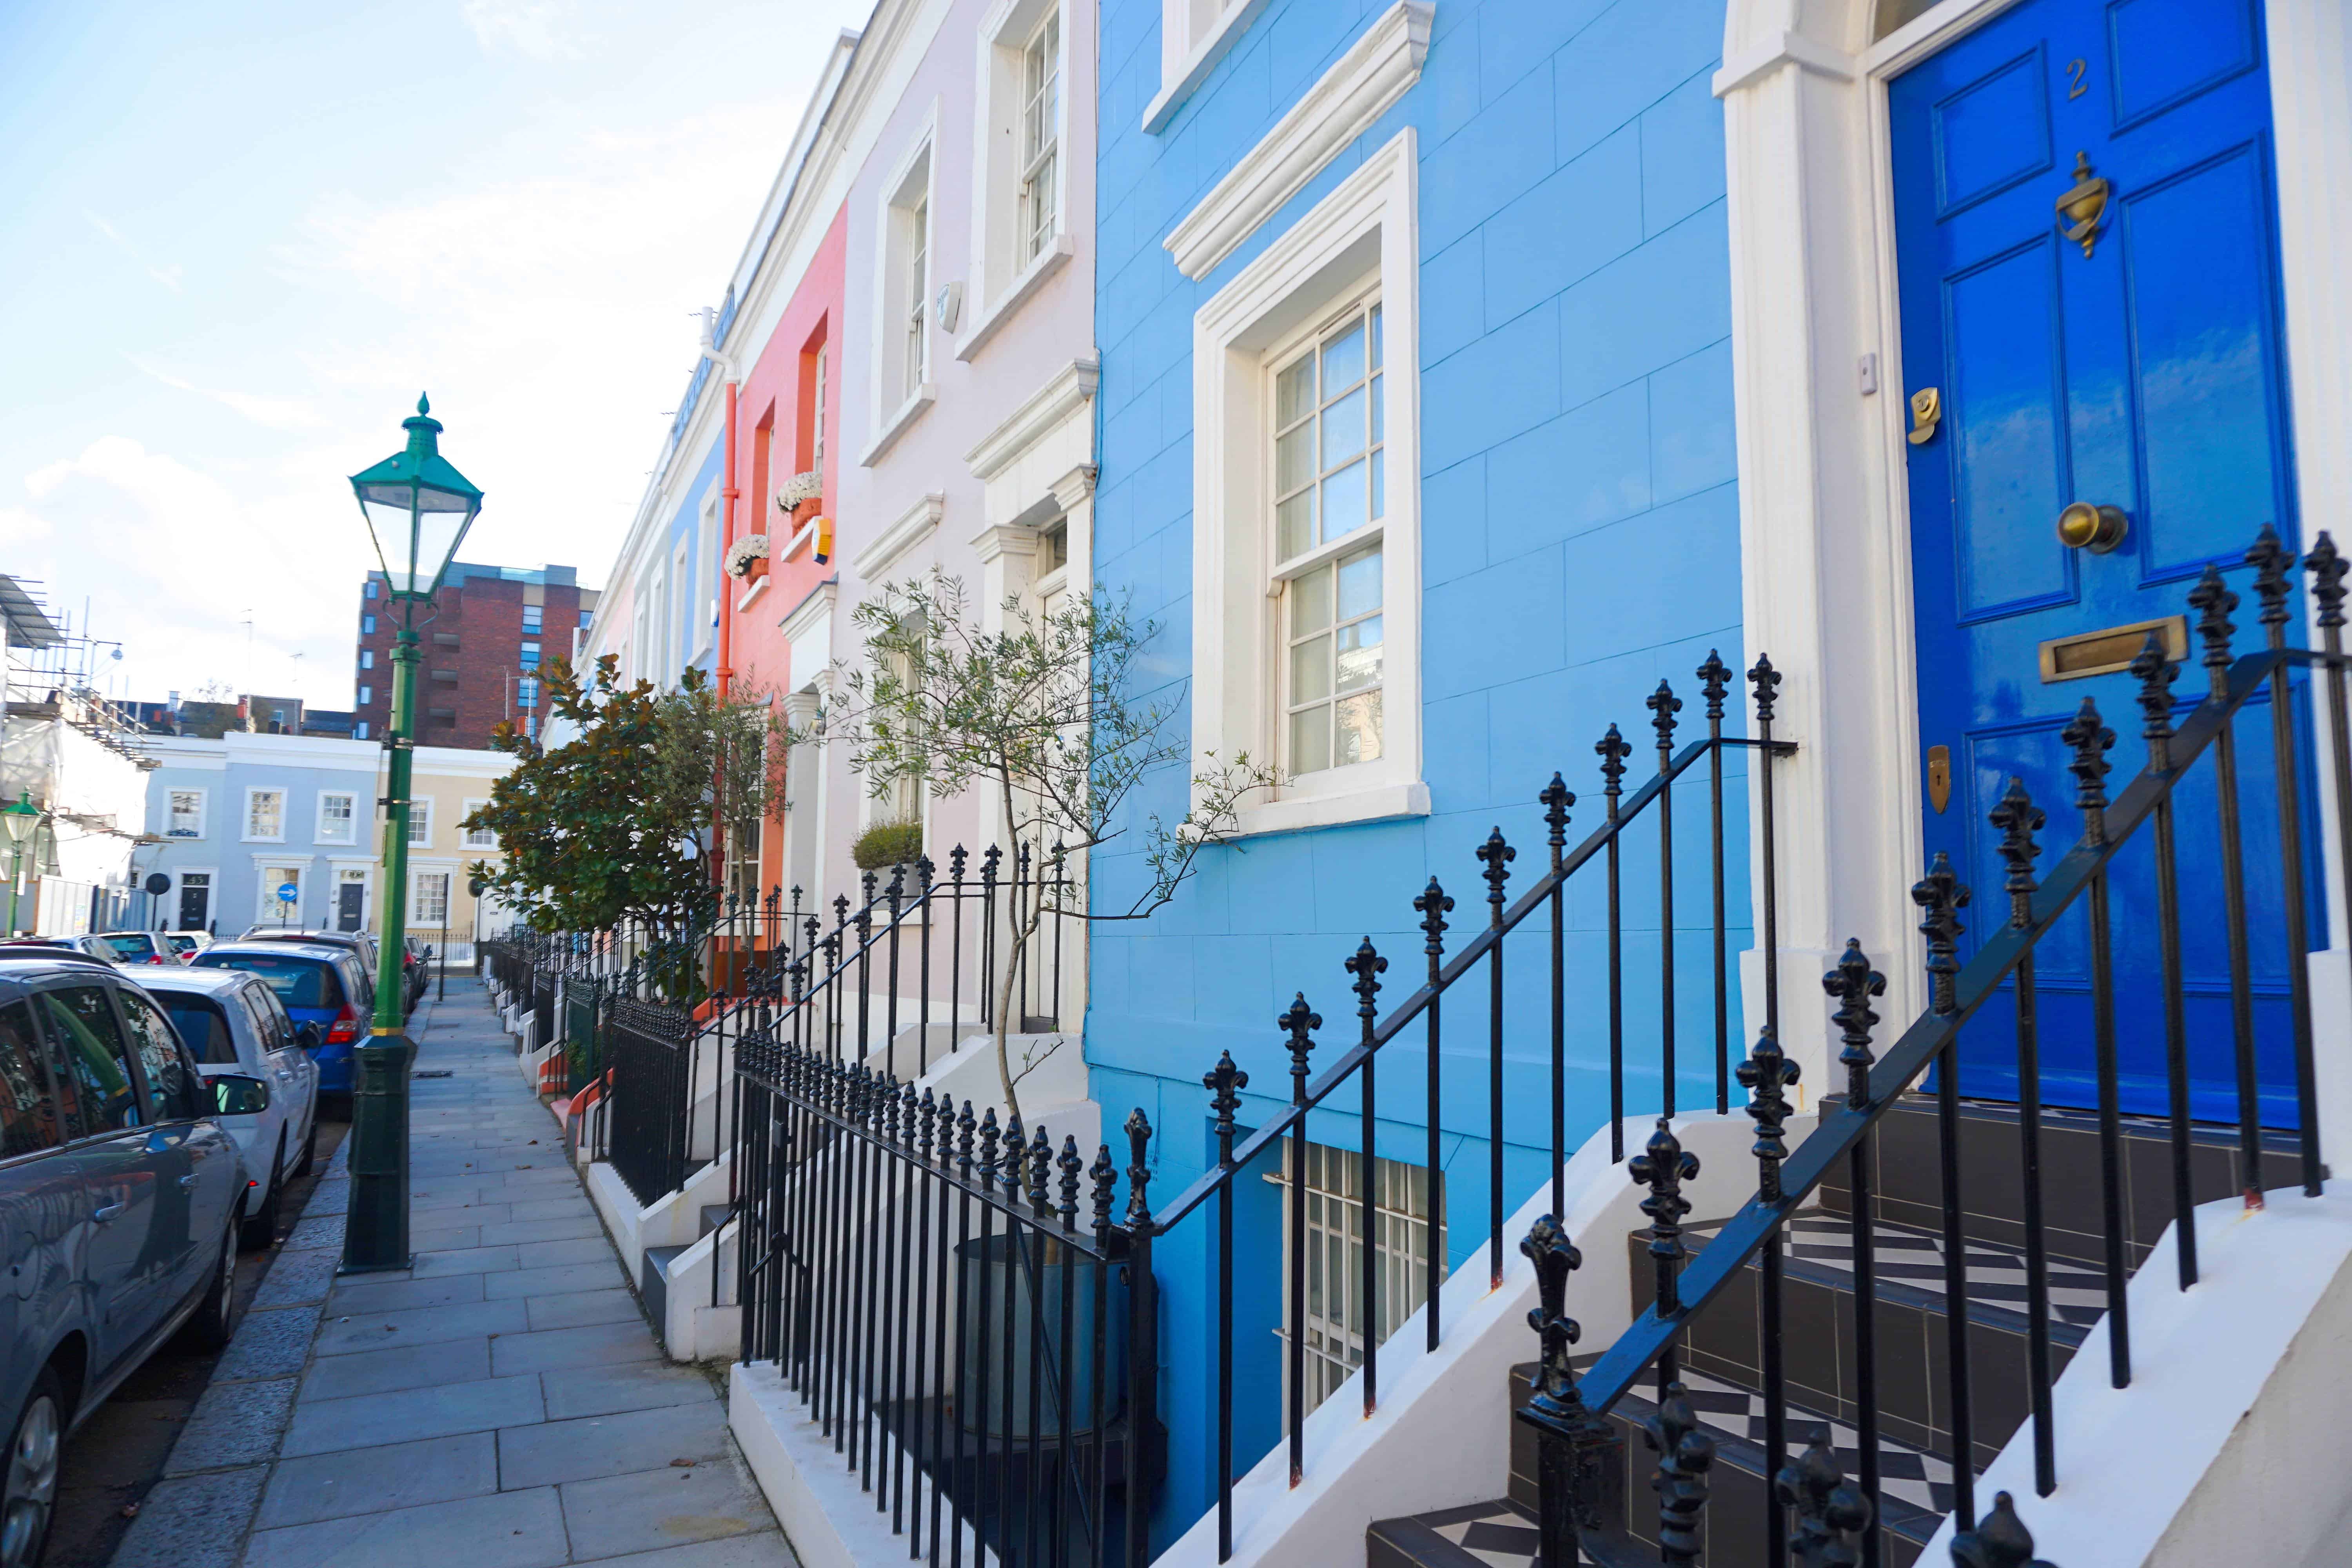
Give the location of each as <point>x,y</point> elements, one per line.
<point>2097,529</point>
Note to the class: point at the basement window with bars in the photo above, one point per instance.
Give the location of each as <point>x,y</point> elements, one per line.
<point>1334,1239</point>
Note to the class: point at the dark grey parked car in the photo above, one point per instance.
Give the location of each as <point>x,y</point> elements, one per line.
<point>119,1193</point>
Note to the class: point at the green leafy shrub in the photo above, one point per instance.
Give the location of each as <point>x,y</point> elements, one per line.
<point>887,844</point>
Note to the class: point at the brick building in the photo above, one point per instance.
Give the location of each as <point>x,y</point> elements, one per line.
<point>483,641</point>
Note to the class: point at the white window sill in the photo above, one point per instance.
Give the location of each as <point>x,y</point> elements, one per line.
<point>751,595</point>
<point>1200,63</point>
<point>898,423</point>
<point>1049,261</point>
<point>1373,803</point>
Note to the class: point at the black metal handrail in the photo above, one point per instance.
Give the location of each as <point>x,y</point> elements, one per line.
<point>646,1045</point>
<point>1484,955</point>
<point>1566,1410</point>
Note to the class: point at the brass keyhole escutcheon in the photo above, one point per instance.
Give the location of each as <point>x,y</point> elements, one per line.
<point>2097,529</point>
<point>1926,413</point>
<point>1939,777</point>
<point>2081,209</point>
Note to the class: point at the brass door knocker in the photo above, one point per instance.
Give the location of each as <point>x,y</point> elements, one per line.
<point>2080,209</point>
<point>1926,413</point>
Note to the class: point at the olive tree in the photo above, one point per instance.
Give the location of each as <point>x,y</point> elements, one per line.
<point>1042,710</point>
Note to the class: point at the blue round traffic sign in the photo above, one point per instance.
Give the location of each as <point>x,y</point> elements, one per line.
<point>287,892</point>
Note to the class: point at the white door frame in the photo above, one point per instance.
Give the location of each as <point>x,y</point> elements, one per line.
<point>1825,530</point>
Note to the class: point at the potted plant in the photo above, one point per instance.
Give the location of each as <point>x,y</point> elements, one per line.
<point>748,559</point>
<point>802,500</point>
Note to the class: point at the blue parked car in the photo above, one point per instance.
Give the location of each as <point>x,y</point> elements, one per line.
<point>119,1199</point>
<point>316,983</point>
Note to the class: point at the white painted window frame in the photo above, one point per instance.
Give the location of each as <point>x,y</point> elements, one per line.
<point>416,876</point>
<point>420,822</point>
<point>266,907</point>
<point>350,834</point>
<point>1004,278</point>
<point>1194,35</point>
<point>245,822</point>
<point>476,837</point>
<point>204,811</point>
<point>1364,233</point>
<point>708,531</point>
<point>908,198</point>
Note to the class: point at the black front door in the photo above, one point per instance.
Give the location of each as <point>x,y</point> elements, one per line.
<point>195,900</point>
<point>349,898</point>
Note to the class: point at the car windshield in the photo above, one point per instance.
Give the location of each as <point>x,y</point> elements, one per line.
<point>202,1024</point>
<point>299,982</point>
<point>127,946</point>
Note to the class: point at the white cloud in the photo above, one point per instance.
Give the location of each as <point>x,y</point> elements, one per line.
<point>166,273</point>
<point>532,28</point>
<point>273,412</point>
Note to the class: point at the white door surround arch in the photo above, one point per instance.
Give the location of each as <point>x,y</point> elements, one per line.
<point>1824,532</point>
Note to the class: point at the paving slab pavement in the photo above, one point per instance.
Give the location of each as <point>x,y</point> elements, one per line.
<point>499,1404</point>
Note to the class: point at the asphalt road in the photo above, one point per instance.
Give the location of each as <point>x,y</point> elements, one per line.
<point>120,1451</point>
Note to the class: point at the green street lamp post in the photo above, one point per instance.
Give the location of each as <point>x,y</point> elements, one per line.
<point>418,509</point>
<point>19,817</point>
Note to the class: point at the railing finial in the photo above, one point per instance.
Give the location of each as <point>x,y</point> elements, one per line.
<point>1139,1172</point>
<point>1367,965</point>
<point>1567,1429</point>
<point>988,1140</point>
<point>2091,739</point>
<point>2213,601</point>
<point>1829,1509</point>
<point>1684,1453</point>
<point>2272,560</point>
<point>1498,856</point>
<point>1298,1021</point>
<point>1852,983</point>
<point>1663,705</point>
<point>1041,1172</point>
<point>1556,798</point>
<point>1714,680</point>
<point>1942,895</point>
<point>1433,906</point>
<point>1768,1074</point>
<point>2000,1539</point>
<point>1072,1166</point>
<point>2018,818</point>
<point>1767,682</point>
<point>1225,1083</point>
<point>1612,750</point>
<point>2155,673</point>
<point>2327,566</point>
<point>1103,1174</point>
<point>1663,1166</point>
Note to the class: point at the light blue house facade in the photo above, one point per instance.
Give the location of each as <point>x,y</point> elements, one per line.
<point>1510,242</point>
<point>1469,369</point>
<point>243,816</point>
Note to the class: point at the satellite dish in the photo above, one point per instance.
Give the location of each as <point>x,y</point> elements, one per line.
<point>157,882</point>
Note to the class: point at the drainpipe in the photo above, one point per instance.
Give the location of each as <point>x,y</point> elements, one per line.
<point>729,493</point>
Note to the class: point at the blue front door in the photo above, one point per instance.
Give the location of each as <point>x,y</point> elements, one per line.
<point>2133,362</point>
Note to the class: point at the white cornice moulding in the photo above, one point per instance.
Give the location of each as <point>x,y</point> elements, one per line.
<point>1222,35</point>
<point>1357,90</point>
<point>805,616</point>
<point>1780,50</point>
<point>1070,388</point>
<point>893,543</point>
<point>999,539</point>
<point>898,424</point>
<point>1050,261</point>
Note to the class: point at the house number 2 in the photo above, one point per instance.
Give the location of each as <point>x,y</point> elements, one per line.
<point>2075,70</point>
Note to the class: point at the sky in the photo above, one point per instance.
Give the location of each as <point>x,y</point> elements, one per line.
<point>239,237</point>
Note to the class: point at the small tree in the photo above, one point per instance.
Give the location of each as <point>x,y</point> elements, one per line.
<point>617,824</point>
<point>1042,711</point>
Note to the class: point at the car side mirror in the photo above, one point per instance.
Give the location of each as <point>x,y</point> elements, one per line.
<point>309,1037</point>
<point>234,1095</point>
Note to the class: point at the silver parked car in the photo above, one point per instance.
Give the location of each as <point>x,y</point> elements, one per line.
<point>233,1025</point>
<point>119,1197</point>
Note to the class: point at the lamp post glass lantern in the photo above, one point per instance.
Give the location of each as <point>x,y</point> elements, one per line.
<point>19,817</point>
<point>417,508</point>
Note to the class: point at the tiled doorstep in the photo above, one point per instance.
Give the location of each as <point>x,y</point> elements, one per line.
<point>431,1414</point>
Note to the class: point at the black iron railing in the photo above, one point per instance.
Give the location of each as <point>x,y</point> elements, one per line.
<point>648,1047</point>
<point>1819,1511</point>
<point>1473,980</point>
<point>980,1355</point>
